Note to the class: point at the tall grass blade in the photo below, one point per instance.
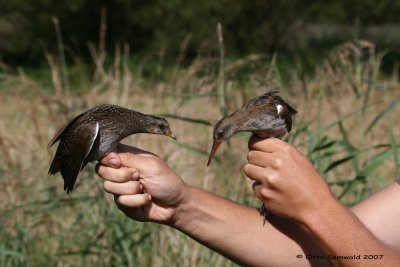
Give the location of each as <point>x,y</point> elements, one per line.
<point>376,162</point>
<point>222,81</point>
<point>383,113</point>
<point>338,162</point>
<point>192,120</point>
<point>351,184</point>
<point>324,144</point>
<point>61,51</point>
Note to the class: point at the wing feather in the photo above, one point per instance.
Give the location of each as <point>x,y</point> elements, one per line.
<point>61,132</point>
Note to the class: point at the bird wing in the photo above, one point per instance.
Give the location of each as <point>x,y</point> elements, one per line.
<point>292,111</point>
<point>74,160</point>
<point>262,99</point>
<point>63,130</point>
<point>266,98</point>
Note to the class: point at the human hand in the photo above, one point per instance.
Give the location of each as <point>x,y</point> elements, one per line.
<point>285,180</point>
<point>145,188</point>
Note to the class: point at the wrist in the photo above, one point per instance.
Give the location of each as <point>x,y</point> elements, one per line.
<point>322,214</point>
<point>181,206</point>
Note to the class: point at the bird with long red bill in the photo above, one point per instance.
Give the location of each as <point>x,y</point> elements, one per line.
<point>266,116</point>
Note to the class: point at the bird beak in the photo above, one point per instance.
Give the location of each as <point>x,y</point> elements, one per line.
<point>169,133</point>
<point>213,150</point>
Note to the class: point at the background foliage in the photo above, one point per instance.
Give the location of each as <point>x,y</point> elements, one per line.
<point>158,26</point>
<point>336,62</point>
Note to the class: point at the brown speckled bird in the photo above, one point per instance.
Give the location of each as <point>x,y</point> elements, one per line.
<point>94,133</point>
<point>266,116</point>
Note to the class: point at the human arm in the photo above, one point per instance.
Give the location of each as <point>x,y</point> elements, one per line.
<point>289,186</point>
<point>234,230</point>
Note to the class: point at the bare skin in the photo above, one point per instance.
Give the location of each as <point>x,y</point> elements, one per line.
<point>310,221</point>
<point>300,194</point>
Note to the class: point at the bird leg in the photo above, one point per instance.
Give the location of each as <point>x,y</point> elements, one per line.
<point>264,212</point>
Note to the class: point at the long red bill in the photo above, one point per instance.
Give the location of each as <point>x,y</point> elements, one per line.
<point>213,150</point>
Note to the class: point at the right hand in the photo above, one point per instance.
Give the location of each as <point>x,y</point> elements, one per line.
<point>144,187</point>
<point>286,181</point>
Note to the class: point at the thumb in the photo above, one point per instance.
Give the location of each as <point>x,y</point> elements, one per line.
<point>136,158</point>
<point>111,160</point>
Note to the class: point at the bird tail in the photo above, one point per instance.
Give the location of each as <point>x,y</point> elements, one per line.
<point>69,172</point>
<point>292,111</point>
<point>55,165</point>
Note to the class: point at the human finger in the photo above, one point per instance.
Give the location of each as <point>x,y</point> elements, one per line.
<point>140,160</point>
<point>266,145</point>
<point>120,175</point>
<point>265,160</point>
<point>127,188</point>
<point>259,158</point>
<point>134,201</point>
<point>111,160</point>
<point>259,189</point>
<point>254,172</point>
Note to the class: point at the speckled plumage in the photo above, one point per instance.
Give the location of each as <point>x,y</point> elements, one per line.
<point>94,133</point>
<point>267,116</point>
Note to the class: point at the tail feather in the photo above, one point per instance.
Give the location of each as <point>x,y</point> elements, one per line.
<point>69,172</point>
<point>292,111</point>
<point>54,167</point>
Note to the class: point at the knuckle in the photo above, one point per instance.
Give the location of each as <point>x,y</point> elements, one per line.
<point>287,149</point>
<point>262,175</point>
<point>124,176</point>
<point>278,163</point>
<point>273,179</point>
<point>132,188</point>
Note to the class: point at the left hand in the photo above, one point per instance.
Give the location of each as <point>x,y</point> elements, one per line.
<point>145,188</point>
<point>285,180</point>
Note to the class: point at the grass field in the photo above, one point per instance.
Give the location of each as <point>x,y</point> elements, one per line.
<point>347,125</point>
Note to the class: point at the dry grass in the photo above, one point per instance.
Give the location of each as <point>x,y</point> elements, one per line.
<point>42,225</point>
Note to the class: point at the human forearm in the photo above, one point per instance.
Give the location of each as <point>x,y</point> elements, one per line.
<point>234,230</point>
<point>237,231</point>
<point>299,193</point>
<point>345,241</point>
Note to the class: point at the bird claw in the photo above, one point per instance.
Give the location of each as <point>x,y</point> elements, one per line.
<point>264,212</point>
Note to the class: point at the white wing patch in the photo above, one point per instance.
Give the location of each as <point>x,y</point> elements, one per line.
<point>279,108</point>
<point>93,139</point>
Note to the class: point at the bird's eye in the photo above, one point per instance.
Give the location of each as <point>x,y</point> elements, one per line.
<point>161,126</point>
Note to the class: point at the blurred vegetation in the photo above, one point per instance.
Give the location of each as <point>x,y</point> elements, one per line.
<point>166,27</point>
<point>336,62</point>
<point>346,125</point>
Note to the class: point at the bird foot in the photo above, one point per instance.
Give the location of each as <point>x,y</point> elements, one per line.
<point>264,212</point>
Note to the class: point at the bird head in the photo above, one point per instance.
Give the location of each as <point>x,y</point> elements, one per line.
<point>157,125</point>
<point>223,130</point>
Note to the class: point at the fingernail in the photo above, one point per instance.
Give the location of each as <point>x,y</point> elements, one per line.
<point>113,162</point>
